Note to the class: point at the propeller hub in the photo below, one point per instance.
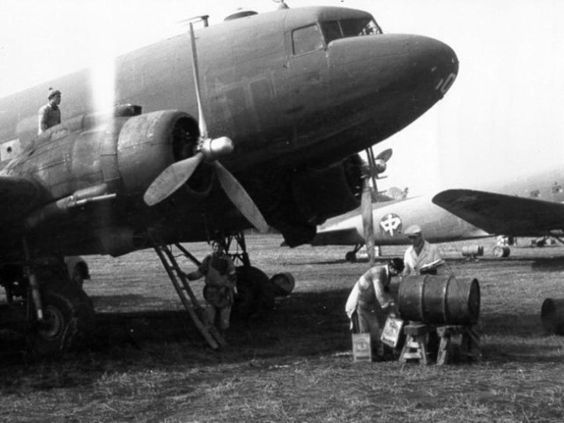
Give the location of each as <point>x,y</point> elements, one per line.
<point>380,166</point>
<point>215,148</point>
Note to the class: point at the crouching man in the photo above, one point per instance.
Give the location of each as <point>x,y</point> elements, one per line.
<point>370,302</point>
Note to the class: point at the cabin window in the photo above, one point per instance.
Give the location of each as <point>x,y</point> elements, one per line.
<point>333,30</point>
<point>307,39</point>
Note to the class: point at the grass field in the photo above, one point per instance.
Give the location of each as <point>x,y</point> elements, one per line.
<point>296,364</point>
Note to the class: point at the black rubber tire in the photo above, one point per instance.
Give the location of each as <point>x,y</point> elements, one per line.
<point>68,321</point>
<point>350,257</point>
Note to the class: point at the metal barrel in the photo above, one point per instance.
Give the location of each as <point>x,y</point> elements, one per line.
<point>552,315</point>
<point>439,299</point>
<point>472,250</point>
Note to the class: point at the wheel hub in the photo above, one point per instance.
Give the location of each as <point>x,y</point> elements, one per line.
<point>53,323</point>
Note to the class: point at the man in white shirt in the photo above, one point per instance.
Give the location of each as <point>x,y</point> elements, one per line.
<point>420,257</point>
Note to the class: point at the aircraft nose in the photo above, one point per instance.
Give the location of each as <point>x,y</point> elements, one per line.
<point>432,64</point>
<point>395,78</point>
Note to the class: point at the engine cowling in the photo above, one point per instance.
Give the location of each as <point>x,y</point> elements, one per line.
<point>150,142</point>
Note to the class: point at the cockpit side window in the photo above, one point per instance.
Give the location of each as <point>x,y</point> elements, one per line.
<point>333,30</point>
<point>356,27</point>
<point>306,39</point>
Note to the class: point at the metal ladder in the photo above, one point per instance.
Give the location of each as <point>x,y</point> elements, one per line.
<point>187,297</point>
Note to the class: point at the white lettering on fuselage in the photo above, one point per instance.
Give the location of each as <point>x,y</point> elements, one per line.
<point>445,84</point>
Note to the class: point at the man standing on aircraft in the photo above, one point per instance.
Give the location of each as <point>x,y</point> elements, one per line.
<point>370,301</point>
<point>50,114</point>
<point>219,270</point>
<point>421,257</point>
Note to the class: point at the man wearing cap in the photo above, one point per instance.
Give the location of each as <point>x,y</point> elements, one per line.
<point>420,257</point>
<point>370,301</point>
<point>50,114</point>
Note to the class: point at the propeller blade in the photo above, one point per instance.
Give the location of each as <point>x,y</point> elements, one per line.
<point>371,169</point>
<point>240,198</point>
<point>170,179</point>
<point>196,72</point>
<point>385,155</point>
<point>367,221</point>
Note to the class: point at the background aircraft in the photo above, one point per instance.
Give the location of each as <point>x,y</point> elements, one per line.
<point>530,206</point>
<point>284,99</point>
<point>390,220</point>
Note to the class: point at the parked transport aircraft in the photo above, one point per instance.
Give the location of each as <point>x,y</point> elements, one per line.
<point>256,121</point>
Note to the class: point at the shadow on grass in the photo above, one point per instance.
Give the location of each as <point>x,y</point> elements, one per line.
<point>301,325</point>
<point>123,301</point>
<point>548,264</point>
<point>515,351</point>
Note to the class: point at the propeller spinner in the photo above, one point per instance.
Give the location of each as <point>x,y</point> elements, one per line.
<point>178,173</point>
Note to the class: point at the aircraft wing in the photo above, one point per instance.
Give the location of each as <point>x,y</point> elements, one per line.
<point>18,196</point>
<point>502,214</point>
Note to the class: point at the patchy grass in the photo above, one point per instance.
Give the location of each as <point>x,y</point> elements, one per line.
<point>147,363</point>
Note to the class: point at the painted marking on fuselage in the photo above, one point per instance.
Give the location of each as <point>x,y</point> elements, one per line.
<point>443,86</point>
<point>391,224</point>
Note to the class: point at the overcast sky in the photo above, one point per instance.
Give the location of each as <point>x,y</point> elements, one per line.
<point>503,116</point>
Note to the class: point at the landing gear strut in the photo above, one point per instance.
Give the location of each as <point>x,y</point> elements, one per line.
<point>255,292</point>
<point>350,256</point>
<point>54,313</point>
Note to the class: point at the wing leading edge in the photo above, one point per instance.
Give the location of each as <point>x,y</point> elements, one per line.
<point>503,214</point>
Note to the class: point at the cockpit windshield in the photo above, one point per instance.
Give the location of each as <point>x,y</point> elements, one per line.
<point>333,30</point>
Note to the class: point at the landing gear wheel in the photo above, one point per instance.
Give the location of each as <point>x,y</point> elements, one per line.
<point>255,294</point>
<point>68,318</point>
<point>350,257</point>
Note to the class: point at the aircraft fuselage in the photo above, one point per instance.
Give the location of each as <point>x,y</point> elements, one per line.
<point>293,89</point>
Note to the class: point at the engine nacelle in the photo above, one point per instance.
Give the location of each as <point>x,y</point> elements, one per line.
<point>324,193</point>
<point>294,202</point>
<point>150,142</point>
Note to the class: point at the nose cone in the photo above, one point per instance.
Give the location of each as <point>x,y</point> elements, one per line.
<point>392,78</point>
<point>431,64</point>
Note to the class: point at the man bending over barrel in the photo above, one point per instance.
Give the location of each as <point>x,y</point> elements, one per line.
<point>370,301</point>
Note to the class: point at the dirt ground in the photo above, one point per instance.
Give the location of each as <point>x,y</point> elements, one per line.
<point>147,364</point>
